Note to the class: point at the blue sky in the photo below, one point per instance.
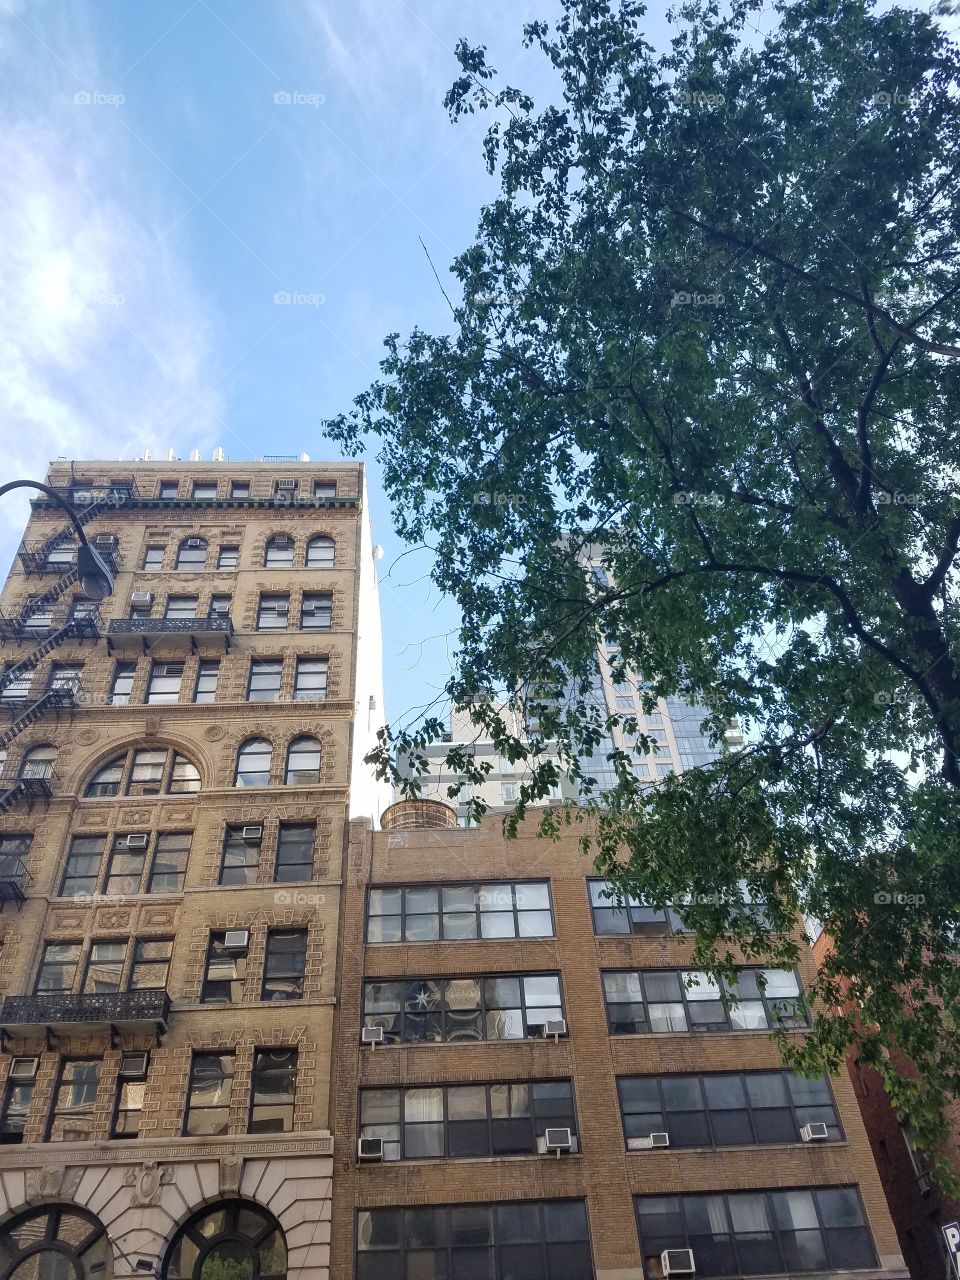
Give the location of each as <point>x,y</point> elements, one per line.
<point>155,196</point>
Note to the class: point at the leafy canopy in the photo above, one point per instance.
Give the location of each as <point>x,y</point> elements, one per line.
<point>708,329</point>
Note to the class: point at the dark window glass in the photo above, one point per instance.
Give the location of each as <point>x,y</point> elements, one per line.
<point>74,1101</point>
<point>169,867</point>
<point>82,871</point>
<point>506,1007</point>
<point>17,1097</point>
<point>295,852</point>
<point>679,1000</point>
<point>241,858</point>
<point>458,912</point>
<point>225,972</point>
<point>207,1111</point>
<point>284,964</point>
<point>273,1090</point>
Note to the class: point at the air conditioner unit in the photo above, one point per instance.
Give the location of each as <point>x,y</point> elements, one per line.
<point>557,1027</point>
<point>677,1262</point>
<point>646,1143</point>
<point>281,610</point>
<point>236,940</point>
<point>371,1035</point>
<point>168,669</point>
<point>141,598</point>
<point>24,1068</point>
<point>816,1132</point>
<point>286,484</point>
<point>251,835</point>
<point>194,542</point>
<point>137,841</point>
<point>370,1149</point>
<point>557,1140</point>
<point>133,1066</point>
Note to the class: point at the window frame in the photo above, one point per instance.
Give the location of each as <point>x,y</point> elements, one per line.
<point>232,552</point>
<point>191,559</point>
<point>17,1088</point>
<point>246,749</point>
<point>259,666</point>
<point>307,863</point>
<point>153,563</point>
<point>476,887</point>
<point>321,606</point>
<point>293,975</point>
<point>118,697</point>
<point>320,542</point>
<point>303,692</point>
<point>694,1027</point>
<point>164,700</point>
<point>190,1109</point>
<point>258,1072</point>
<point>55,1112</point>
<point>231,830</point>
<point>204,668</point>
<point>217,952</point>
<point>279,542</point>
<point>268,605</point>
<point>290,778</point>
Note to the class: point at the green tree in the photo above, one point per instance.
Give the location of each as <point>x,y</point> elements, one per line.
<point>709,328</point>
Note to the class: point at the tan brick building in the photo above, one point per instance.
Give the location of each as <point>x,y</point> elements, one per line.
<point>178,775</point>
<point>507,1001</point>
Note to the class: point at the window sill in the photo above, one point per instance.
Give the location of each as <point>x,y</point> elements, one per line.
<point>426,1162</point>
<point>755,1146</point>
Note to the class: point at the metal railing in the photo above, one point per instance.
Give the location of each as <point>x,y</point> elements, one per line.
<point>110,1007</point>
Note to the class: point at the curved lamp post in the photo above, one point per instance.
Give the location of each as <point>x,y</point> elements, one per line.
<point>96,580</point>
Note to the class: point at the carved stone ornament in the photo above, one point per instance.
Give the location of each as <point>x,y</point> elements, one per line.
<point>231,1171</point>
<point>146,1180</point>
<point>214,733</point>
<point>52,1180</point>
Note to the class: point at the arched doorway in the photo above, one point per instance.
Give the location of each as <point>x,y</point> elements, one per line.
<point>234,1240</point>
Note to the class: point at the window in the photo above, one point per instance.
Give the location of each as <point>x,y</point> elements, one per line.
<point>459,1121</point>
<point>37,764</point>
<point>153,558</point>
<point>39,619</point>
<point>125,868</point>
<point>181,607</point>
<point>228,557</point>
<point>192,553</point>
<point>17,1097</point>
<point>168,489</point>
<point>17,689</point>
<point>324,489</point>
<point>426,913</point>
<point>122,685</point>
<point>725,1110</point>
<point>612,915</point>
<point>625,703</point>
<point>204,490</point>
<point>58,967</point>
<point>13,848</point>
<point>65,676</point>
<point>448,1010</point>
<point>278,552</point>
<point>72,1116</point>
<point>231,1238</point>
<point>104,967</point>
<point>56,1241</point>
<point>284,965</point>
<point>219,606</point>
<point>508,793</point>
<point>241,858</point>
<point>208,1095</point>
<point>208,673</point>
<point>295,852</point>
<point>310,684</point>
<point>265,680</point>
<point>303,762</point>
<point>141,610</point>
<point>253,763</point>
<point>148,772</point>
<point>62,555</point>
<point>82,871</point>
<point>759,1232</point>
<point>240,489</point>
<point>151,964</point>
<point>320,552</point>
<point>665,1000</point>
<point>273,1089</point>
<point>317,611</point>
<point>131,1087</point>
<point>535,1239</point>
<point>273,612</point>
<point>224,975</point>
<point>164,684</point>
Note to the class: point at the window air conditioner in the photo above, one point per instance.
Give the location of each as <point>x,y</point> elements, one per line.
<point>816,1132</point>
<point>141,598</point>
<point>370,1149</point>
<point>677,1262</point>
<point>645,1144</point>
<point>556,1140</point>
<point>281,610</point>
<point>138,840</point>
<point>251,835</point>
<point>371,1035</point>
<point>236,940</point>
<point>24,1068</point>
<point>133,1066</point>
<point>167,669</point>
<point>556,1028</point>
<point>194,542</point>
<point>286,484</point>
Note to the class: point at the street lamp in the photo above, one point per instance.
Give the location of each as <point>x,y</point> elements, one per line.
<point>96,580</point>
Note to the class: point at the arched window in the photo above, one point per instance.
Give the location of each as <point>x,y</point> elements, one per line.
<point>37,764</point>
<point>144,771</point>
<point>234,1240</point>
<point>278,553</point>
<point>253,763</point>
<point>320,552</point>
<point>192,553</point>
<point>57,1242</point>
<point>303,761</point>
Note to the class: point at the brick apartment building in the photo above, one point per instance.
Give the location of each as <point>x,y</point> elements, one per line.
<point>525,1041</point>
<point>178,771</point>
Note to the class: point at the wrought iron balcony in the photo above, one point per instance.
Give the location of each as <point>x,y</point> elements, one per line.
<point>59,554</point>
<point>60,1011</point>
<point>124,632</point>
<point>13,880</point>
<point>88,490</point>
<point>68,620</point>
<point>32,781</point>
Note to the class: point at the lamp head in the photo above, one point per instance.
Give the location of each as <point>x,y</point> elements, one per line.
<point>96,580</point>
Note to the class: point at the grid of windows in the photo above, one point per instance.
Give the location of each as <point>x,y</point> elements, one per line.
<point>727,1109</point>
<point>273,1089</point>
<point>672,1000</point>
<point>157,867</point>
<point>612,914</point>
<point>310,684</point>
<point>112,965</point>
<point>144,772</point>
<point>207,1112</point>
<point>427,913</point>
<point>294,859</point>
<point>265,676</point>
<point>748,1233</point>
<point>284,965</point>
<point>225,972</point>
<point>316,611</point>
<point>452,1010</point>
<point>538,1240</point>
<point>240,861</point>
<point>72,1113</point>
<point>460,1121</point>
<point>208,674</point>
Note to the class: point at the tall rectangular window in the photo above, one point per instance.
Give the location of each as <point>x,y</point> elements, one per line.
<point>265,680</point>
<point>17,1097</point>
<point>311,680</point>
<point>228,557</point>
<point>680,1000</point>
<point>273,1091</point>
<point>208,673</point>
<point>104,967</point>
<point>131,1088</point>
<point>240,861</point>
<point>225,972</point>
<point>153,558</point>
<point>181,607</point>
<point>273,612</point>
<point>122,686</point>
<point>295,852</point>
<point>455,1010</point>
<point>125,868</point>
<point>316,613</point>
<point>151,964</point>
<point>165,679</point>
<point>82,871</point>
<point>207,1112</point>
<point>284,965</point>
<point>65,675</point>
<point>72,1115</point>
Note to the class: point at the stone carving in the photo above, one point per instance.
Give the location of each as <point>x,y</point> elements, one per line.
<point>231,1171</point>
<point>87,737</point>
<point>52,1180</point>
<point>147,1180</point>
<point>214,733</point>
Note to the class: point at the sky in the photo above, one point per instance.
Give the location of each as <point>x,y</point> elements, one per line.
<point>167,169</point>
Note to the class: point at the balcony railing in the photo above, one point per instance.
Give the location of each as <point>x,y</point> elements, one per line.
<point>83,491</point>
<point>13,880</point>
<point>58,1011</point>
<point>122,632</point>
<point>83,621</point>
<point>38,558</point>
